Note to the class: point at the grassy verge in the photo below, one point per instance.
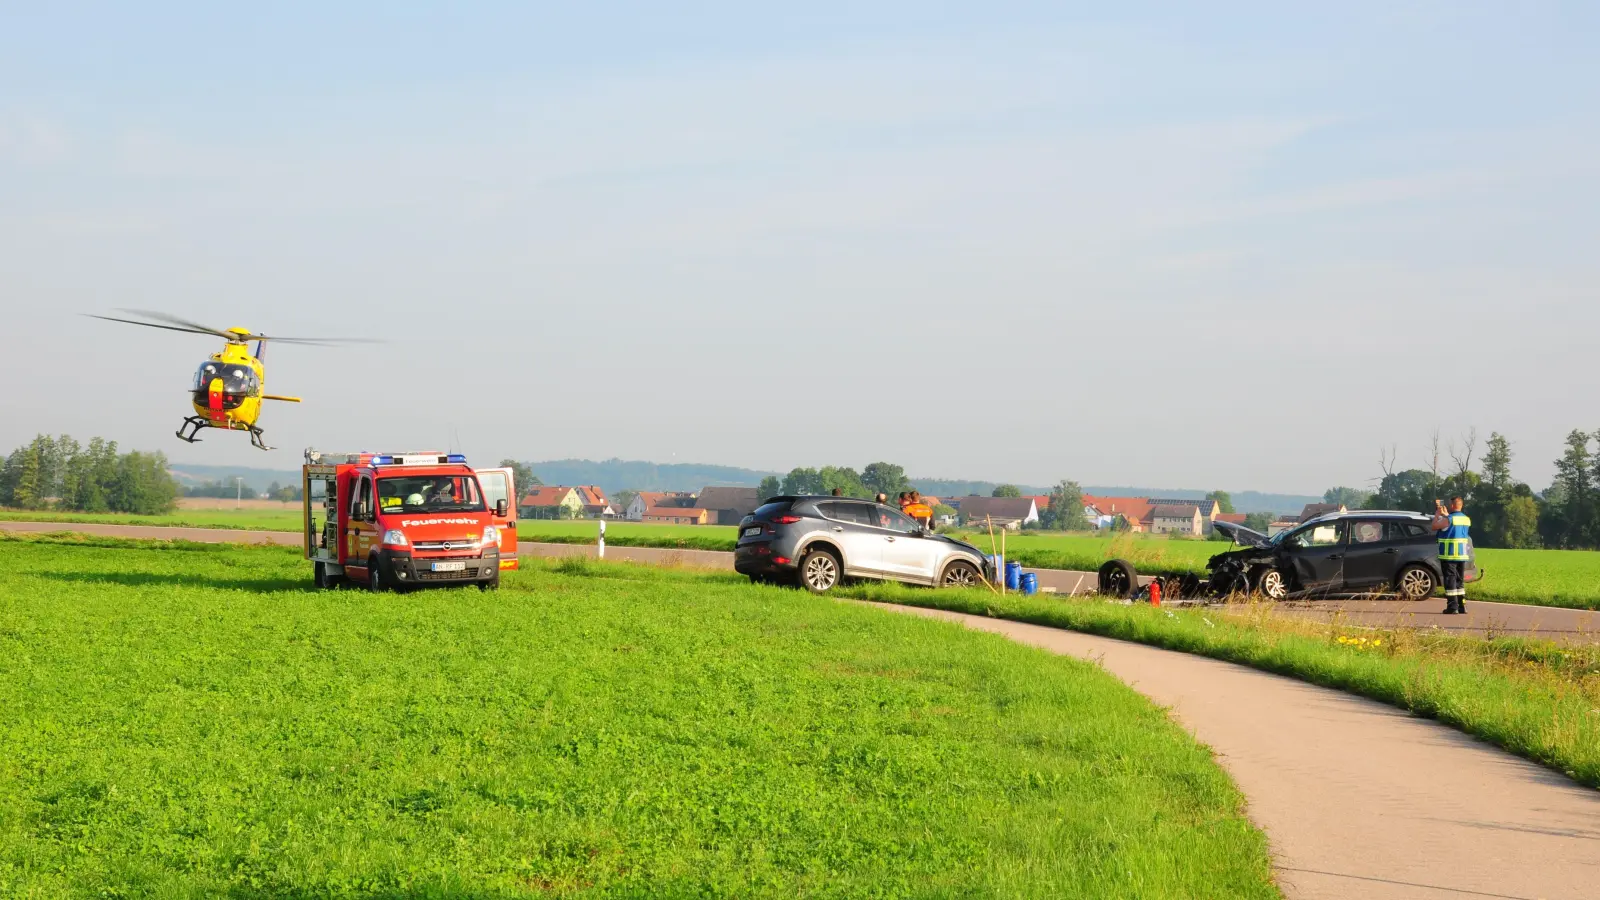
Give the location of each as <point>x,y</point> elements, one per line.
<point>1536,699</point>
<point>193,720</point>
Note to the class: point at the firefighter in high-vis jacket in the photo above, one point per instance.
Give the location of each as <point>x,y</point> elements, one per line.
<point>1455,549</point>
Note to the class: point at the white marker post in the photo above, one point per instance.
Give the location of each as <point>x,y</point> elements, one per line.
<point>600,553</point>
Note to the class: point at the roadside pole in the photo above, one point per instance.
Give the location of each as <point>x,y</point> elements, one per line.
<point>600,549</point>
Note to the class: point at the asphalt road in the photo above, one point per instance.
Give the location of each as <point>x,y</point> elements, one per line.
<point>1483,619</point>
<point>1359,799</point>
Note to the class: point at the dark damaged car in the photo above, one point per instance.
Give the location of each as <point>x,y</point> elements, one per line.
<point>1357,552</point>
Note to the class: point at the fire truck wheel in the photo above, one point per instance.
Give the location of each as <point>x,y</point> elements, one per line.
<point>325,581</point>
<point>376,582</point>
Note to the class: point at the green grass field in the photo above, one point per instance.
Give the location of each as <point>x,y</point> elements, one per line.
<point>194,721</point>
<point>244,519</point>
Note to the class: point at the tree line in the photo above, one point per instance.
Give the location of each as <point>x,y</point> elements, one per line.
<point>59,473</point>
<point>1505,511</point>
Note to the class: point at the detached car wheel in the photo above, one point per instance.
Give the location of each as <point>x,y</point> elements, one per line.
<point>1272,584</point>
<point>1118,578</point>
<point>819,571</point>
<point>1415,583</point>
<point>961,574</point>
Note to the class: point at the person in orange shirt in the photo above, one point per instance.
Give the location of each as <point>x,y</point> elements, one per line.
<point>919,511</point>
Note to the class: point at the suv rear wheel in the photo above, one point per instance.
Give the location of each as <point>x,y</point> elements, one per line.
<point>1414,583</point>
<point>819,571</point>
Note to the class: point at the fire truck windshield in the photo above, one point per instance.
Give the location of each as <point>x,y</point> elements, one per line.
<point>429,493</point>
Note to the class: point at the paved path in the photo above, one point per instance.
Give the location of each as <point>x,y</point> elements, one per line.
<point>1357,798</point>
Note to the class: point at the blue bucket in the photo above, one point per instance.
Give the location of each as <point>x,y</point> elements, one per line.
<point>1030,583</point>
<point>1013,575</point>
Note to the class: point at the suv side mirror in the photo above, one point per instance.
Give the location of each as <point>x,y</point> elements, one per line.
<point>500,507</point>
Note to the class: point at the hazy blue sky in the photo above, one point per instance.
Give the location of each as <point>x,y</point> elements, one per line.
<point>1225,244</point>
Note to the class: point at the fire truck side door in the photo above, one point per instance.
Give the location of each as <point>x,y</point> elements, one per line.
<point>362,533</point>
<point>498,484</point>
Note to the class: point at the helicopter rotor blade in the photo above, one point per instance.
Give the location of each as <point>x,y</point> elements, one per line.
<point>174,320</point>
<point>313,342</point>
<point>184,325</point>
<point>151,324</point>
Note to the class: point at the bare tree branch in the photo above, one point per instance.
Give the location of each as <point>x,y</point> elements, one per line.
<point>1463,458</point>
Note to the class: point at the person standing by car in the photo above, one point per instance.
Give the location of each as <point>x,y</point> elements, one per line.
<point>1455,548</point>
<point>919,511</point>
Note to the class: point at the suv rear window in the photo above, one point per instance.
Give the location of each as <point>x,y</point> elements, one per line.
<point>854,513</point>
<point>769,510</point>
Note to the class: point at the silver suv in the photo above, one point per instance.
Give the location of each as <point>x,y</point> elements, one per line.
<point>819,541</point>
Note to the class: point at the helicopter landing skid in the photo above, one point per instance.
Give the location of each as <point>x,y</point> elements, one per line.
<point>190,431</point>
<point>192,425</point>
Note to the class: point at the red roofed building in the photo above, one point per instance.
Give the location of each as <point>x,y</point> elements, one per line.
<point>1136,510</point>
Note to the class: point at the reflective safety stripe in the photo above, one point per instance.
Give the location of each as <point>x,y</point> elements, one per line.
<point>1453,549</point>
<point>1461,520</point>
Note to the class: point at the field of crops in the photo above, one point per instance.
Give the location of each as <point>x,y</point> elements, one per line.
<point>192,720</point>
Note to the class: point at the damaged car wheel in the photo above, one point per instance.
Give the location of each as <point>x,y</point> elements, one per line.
<point>1271,583</point>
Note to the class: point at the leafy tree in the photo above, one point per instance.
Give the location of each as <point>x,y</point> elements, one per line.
<point>1412,489</point>
<point>885,477</point>
<point>803,481</point>
<point>623,499</point>
<point>1572,519</point>
<point>1007,490</point>
<point>1521,521</point>
<point>1260,521</point>
<point>1224,502</point>
<point>771,486</point>
<point>1351,498</point>
<point>20,485</point>
<point>1497,462</point>
<point>1066,508</point>
<point>941,511</point>
<point>142,485</point>
<point>522,476</point>
<point>843,478</point>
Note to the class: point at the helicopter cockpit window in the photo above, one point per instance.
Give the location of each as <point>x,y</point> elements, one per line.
<point>236,378</point>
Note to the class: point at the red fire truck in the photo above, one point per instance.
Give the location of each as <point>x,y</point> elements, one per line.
<point>402,520</point>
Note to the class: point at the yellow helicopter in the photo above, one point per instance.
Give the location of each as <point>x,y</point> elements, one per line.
<point>228,388</point>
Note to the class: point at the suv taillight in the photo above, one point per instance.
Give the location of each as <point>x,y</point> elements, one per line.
<point>785,520</point>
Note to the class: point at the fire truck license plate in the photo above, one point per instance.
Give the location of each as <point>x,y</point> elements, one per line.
<point>449,567</point>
